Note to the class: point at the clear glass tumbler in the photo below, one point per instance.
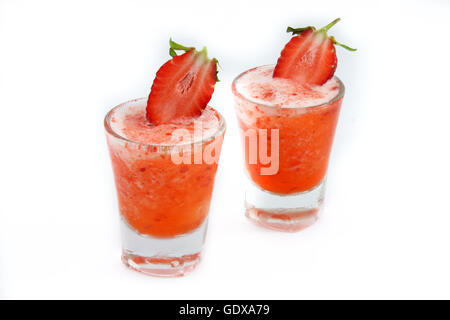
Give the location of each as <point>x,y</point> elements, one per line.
<point>163,203</point>
<point>286,159</point>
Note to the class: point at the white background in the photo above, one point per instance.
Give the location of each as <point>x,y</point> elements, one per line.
<point>385,228</point>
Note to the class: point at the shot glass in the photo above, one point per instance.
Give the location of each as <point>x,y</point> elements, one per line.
<point>286,158</point>
<point>164,194</point>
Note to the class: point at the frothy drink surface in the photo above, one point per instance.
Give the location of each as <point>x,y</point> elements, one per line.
<point>130,122</point>
<point>258,86</point>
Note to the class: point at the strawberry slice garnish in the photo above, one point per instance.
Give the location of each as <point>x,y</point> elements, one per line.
<point>310,56</point>
<point>183,86</point>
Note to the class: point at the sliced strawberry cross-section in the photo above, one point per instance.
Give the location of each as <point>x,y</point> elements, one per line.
<point>310,56</point>
<point>183,86</point>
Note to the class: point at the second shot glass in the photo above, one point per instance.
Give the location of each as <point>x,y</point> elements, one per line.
<point>286,153</point>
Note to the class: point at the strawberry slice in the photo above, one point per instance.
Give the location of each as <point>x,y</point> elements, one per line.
<point>310,56</point>
<point>183,86</point>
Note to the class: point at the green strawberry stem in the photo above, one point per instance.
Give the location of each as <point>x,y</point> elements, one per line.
<point>328,26</point>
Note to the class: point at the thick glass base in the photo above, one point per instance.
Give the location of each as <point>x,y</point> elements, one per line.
<point>288,213</point>
<point>162,257</point>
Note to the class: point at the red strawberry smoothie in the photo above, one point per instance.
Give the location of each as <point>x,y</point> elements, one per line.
<point>157,196</point>
<point>306,117</point>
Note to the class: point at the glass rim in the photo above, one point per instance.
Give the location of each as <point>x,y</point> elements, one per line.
<point>338,96</point>
<point>106,122</point>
